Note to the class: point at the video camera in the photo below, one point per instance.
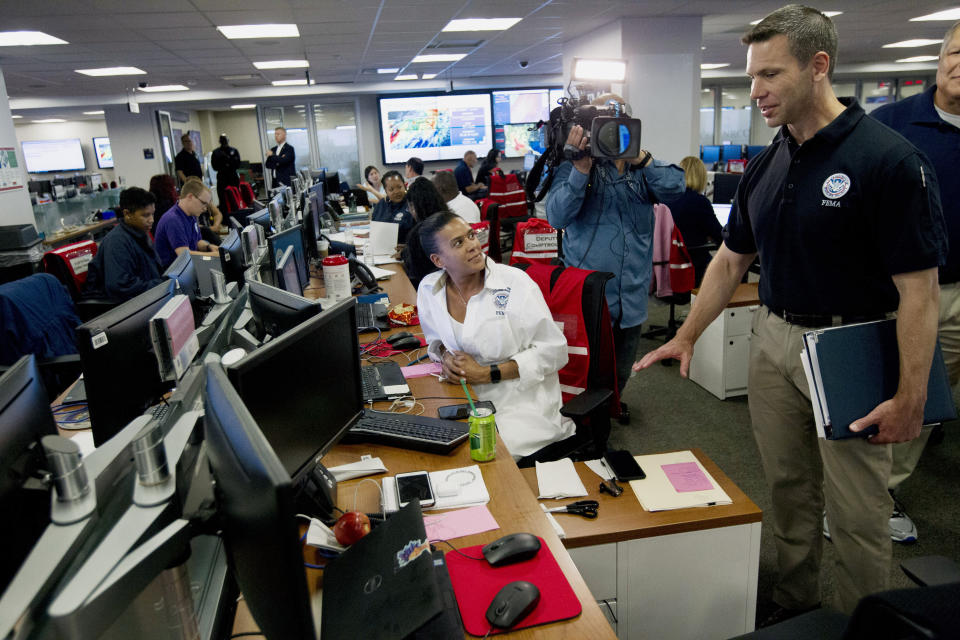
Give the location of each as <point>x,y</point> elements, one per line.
<point>612,133</point>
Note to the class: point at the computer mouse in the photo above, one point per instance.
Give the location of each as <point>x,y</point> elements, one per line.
<point>512,604</point>
<point>400,335</point>
<point>405,344</point>
<point>512,548</point>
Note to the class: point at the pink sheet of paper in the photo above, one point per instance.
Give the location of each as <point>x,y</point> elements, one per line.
<point>462,522</point>
<point>421,370</point>
<point>687,476</point>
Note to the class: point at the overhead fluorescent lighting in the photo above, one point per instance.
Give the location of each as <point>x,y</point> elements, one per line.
<point>714,65</point>
<point>428,76</point>
<point>946,14</point>
<point>916,42</point>
<point>93,113</point>
<point>48,120</point>
<point>243,106</point>
<point>440,57</point>
<point>919,59</point>
<point>27,39</point>
<point>112,71</point>
<point>588,69</point>
<point>242,76</point>
<point>15,117</point>
<point>282,64</point>
<point>407,76</point>
<point>829,14</point>
<point>291,83</point>
<point>164,87</point>
<point>388,70</point>
<point>345,127</point>
<point>481,24</point>
<point>242,31</point>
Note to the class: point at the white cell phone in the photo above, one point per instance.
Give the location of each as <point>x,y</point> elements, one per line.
<point>415,484</point>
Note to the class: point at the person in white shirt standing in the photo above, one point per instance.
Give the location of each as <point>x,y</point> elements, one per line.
<point>446,184</point>
<point>488,324</point>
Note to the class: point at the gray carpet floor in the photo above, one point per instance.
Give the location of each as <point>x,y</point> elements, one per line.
<point>669,412</point>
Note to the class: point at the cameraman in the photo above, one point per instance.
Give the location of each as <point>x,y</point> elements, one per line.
<point>606,209</point>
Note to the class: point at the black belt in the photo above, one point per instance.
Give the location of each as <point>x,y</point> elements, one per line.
<point>814,320</point>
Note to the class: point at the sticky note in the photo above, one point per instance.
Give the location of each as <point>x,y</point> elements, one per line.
<point>687,476</point>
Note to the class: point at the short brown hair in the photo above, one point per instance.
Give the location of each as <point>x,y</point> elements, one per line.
<point>185,137</point>
<point>695,173</point>
<point>446,184</point>
<point>807,30</point>
<point>193,186</point>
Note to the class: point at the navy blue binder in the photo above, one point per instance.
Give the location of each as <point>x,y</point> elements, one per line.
<point>857,367</point>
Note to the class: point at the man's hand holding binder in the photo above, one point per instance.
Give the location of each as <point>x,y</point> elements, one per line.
<point>900,418</point>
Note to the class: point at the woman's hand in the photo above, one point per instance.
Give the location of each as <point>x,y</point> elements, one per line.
<point>457,365</point>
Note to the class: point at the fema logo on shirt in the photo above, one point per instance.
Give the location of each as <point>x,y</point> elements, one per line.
<point>500,299</point>
<point>398,217</point>
<point>836,186</point>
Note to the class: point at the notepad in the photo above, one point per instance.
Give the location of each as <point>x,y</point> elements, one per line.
<point>675,481</point>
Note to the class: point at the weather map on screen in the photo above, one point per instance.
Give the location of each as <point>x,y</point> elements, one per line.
<point>101,146</point>
<point>519,141</point>
<point>521,105</point>
<point>434,127</point>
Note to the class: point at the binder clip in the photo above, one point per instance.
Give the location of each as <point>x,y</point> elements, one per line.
<point>610,486</point>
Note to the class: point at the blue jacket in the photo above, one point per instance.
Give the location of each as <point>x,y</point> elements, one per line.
<point>611,229</point>
<point>125,265</point>
<point>36,316</point>
<point>916,119</point>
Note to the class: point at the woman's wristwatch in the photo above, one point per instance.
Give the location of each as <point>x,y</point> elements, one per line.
<point>494,374</point>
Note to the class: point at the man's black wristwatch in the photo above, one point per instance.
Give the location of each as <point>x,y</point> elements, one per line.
<point>494,374</point>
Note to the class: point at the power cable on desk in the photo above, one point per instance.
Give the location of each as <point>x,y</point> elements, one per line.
<point>458,550</point>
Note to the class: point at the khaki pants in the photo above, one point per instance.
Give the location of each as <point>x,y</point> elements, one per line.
<point>806,473</point>
<point>907,454</point>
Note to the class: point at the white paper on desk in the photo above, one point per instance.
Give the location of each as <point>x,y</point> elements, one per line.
<point>380,274</point>
<point>471,490</point>
<point>559,479</point>
<point>599,468</point>
<point>385,259</point>
<point>320,535</point>
<point>656,493</point>
<point>383,237</point>
<point>357,469</point>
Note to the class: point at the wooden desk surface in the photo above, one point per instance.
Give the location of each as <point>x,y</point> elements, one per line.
<point>623,518</point>
<point>66,236</point>
<point>745,295</point>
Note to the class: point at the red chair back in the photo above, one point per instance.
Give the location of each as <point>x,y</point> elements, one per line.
<point>246,194</point>
<point>234,201</point>
<point>508,192</point>
<point>69,263</point>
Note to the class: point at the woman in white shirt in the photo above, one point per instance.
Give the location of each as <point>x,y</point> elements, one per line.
<point>489,325</point>
<point>373,186</point>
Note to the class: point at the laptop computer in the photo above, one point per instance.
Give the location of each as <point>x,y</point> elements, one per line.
<point>383,381</point>
<point>390,571</point>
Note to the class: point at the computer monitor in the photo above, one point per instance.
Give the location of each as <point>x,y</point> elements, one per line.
<point>732,152</point>
<point>293,237</point>
<point>312,226</point>
<point>255,499</point>
<point>183,272</point>
<point>24,419</point>
<point>231,258</point>
<point>753,150</point>
<point>221,338</point>
<point>120,371</point>
<point>710,154</point>
<point>263,219</point>
<point>288,276</point>
<point>276,209</point>
<point>317,190</point>
<point>725,187</point>
<point>528,161</point>
<point>275,311</point>
<point>303,413</point>
<point>331,183</point>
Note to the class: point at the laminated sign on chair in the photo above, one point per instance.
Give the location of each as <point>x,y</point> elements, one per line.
<point>535,241</point>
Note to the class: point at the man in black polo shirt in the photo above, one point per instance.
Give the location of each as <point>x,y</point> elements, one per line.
<point>845,216</point>
<point>186,162</point>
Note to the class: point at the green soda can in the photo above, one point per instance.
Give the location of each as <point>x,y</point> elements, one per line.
<point>483,435</point>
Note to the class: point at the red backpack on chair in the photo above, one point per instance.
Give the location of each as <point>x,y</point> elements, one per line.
<point>508,192</point>
<point>535,241</point>
<point>234,201</point>
<point>246,194</point>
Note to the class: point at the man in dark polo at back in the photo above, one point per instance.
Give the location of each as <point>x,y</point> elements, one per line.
<point>845,216</point>
<point>186,162</point>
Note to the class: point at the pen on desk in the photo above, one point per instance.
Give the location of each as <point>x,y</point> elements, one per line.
<point>423,357</point>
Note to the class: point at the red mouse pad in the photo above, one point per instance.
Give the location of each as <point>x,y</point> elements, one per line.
<point>476,583</point>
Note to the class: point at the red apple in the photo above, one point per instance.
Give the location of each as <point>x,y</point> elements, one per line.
<point>351,526</point>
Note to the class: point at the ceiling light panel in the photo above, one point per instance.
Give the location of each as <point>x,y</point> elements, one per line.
<point>27,39</point>
<point>112,71</point>
<point>714,65</point>
<point>164,87</point>
<point>481,24</point>
<point>439,57</point>
<point>282,64</point>
<point>246,31</point>
<point>919,59</point>
<point>916,42</point>
<point>947,14</point>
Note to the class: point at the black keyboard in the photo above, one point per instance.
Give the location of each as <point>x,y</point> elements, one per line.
<point>365,317</point>
<point>418,433</point>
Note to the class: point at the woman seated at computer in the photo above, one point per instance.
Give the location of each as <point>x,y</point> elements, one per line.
<point>489,166</point>
<point>394,207</point>
<point>372,185</point>
<point>489,325</point>
<point>694,217</point>
<point>126,264</point>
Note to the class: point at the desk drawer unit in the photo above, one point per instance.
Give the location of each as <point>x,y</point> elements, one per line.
<point>721,355</point>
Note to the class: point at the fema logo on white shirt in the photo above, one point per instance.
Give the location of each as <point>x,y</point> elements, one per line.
<point>836,186</point>
<point>500,299</point>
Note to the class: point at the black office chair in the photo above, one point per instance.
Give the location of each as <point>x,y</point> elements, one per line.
<point>593,407</point>
<point>928,613</point>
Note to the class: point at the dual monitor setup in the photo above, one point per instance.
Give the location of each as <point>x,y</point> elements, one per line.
<point>270,415</point>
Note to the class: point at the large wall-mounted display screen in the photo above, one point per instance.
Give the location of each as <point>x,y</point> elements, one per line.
<point>515,113</point>
<point>441,127</point>
<point>101,147</point>
<point>53,155</point>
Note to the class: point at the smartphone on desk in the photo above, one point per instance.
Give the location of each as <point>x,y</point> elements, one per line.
<point>623,465</point>
<point>461,411</point>
<point>415,484</point>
